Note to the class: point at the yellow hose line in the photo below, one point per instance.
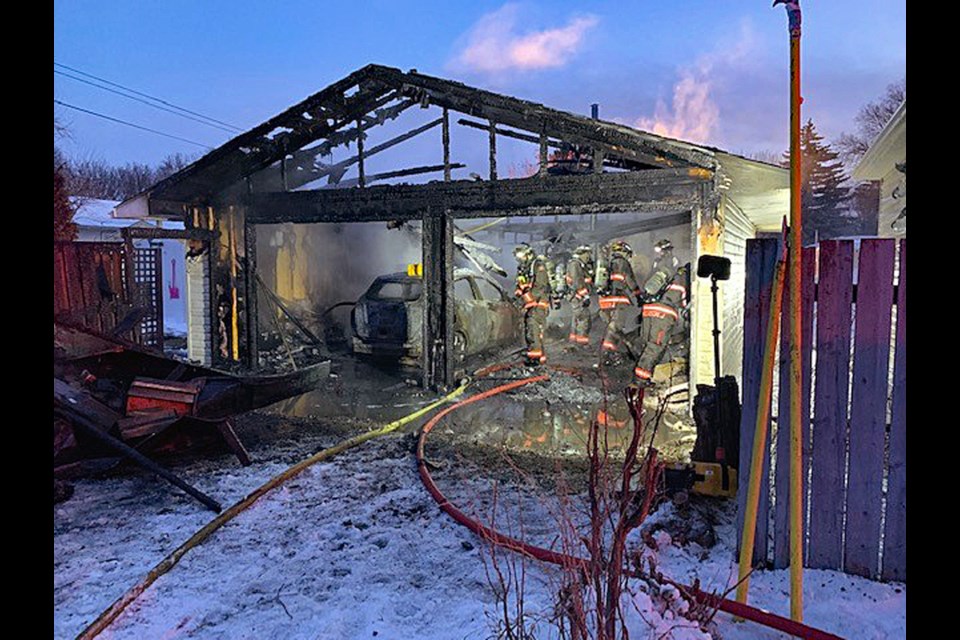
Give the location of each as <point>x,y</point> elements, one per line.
<point>113,611</point>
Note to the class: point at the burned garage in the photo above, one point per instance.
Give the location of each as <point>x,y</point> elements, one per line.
<point>461,364</point>
<point>275,220</point>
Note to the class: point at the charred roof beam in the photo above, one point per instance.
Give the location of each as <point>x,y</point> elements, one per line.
<point>652,190</point>
<point>534,117</point>
<point>303,166</point>
<point>636,161</point>
<point>227,153</point>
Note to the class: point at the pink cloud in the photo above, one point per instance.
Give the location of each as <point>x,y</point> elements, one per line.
<point>494,44</point>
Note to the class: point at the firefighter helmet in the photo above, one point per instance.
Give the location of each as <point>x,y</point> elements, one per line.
<point>621,247</point>
<point>523,252</point>
<point>584,252</point>
<point>663,246</point>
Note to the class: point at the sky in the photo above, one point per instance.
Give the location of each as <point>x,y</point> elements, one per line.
<point>705,71</point>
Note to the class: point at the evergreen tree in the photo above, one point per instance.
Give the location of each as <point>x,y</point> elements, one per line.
<point>824,195</point>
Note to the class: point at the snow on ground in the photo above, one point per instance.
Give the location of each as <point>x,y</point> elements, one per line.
<point>846,605</point>
<point>356,548</point>
<point>353,548</point>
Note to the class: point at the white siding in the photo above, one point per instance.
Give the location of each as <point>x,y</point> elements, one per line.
<point>891,207</point>
<point>736,230</point>
<point>199,334</point>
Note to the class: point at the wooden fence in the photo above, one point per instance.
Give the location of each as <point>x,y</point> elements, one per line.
<point>854,399</point>
<point>91,288</point>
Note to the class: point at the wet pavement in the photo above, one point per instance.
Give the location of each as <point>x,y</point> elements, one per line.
<point>539,420</point>
<point>360,388</point>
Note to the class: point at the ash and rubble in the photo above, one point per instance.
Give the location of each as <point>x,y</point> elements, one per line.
<point>560,388</point>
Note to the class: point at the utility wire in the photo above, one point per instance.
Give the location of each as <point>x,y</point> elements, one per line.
<point>141,100</point>
<point>146,95</point>
<point>130,124</point>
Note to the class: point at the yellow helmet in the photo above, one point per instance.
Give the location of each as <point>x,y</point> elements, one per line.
<point>621,247</point>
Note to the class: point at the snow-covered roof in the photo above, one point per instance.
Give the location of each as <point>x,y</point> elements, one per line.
<point>93,212</point>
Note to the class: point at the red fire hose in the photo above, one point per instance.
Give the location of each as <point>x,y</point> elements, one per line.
<point>772,620</point>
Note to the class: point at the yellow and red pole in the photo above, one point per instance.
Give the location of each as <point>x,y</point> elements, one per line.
<point>795,302</point>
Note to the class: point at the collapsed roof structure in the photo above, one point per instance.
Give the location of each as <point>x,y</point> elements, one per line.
<point>264,176</point>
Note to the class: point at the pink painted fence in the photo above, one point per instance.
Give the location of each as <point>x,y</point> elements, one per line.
<point>854,400</point>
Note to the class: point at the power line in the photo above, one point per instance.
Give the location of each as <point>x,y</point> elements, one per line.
<point>141,100</point>
<point>130,124</point>
<point>146,95</point>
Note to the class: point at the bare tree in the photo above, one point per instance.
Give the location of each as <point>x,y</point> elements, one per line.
<point>871,119</point>
<point>94,178</point>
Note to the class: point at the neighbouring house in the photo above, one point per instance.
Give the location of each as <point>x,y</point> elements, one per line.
<point>885,161</point>
<point>96,223</point>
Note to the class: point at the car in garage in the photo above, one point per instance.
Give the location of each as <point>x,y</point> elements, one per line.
<point>387,320</point>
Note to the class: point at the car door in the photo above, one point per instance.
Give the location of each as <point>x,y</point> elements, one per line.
<point>504,317</point>
<point>472,317</point>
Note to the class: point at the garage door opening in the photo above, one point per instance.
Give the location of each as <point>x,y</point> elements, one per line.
<point>486,306</point>
<point>347,283</point>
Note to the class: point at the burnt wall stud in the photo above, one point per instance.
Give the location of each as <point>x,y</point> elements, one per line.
<point>250,296</point>
<point>360,168</point>
<point>493,150</point>
<point>446,145</point>
<point>438,297</point>
<point>542,170</point>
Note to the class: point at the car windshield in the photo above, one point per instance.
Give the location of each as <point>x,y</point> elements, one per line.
<point>407,291</point>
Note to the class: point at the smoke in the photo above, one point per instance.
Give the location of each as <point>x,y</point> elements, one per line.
<point>694,114</point>
<point>493,44</point>
<point>317,265</point>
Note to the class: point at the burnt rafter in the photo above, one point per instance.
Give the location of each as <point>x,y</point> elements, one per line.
<point>375,93</point>
<point>369,97</point>
<point>534,117</point>
<point>636,161</point>
<point>304,167</point>
<point>651,190</point>
<point>230,152</point>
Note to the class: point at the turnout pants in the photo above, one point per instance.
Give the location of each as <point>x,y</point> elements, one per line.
<point>534,322</point>
<point>655,330</point>
<point>617,318</point>
<point>580,323</point>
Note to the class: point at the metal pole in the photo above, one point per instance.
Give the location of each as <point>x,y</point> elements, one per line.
<point>716,334</point>
<point>796,385</point>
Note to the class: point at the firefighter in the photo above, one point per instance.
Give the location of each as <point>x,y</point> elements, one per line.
<point>579,279</point>
<point>665,299</point>
<point>533,290</point>
<point>615,299</point>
